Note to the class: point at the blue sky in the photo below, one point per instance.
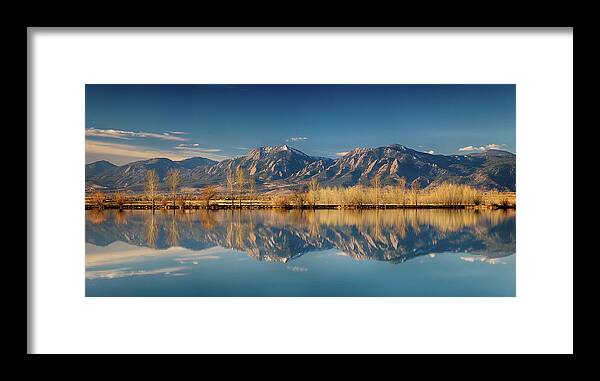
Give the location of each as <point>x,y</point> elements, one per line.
<point>125,123</point>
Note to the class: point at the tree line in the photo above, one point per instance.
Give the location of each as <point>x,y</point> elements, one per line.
<point>240,185</point>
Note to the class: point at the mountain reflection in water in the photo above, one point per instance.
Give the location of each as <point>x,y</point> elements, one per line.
<point>274,235</point>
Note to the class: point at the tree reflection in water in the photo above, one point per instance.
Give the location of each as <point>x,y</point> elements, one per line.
<point>279,235</point>
<point>120,217</point>
<point>95,216</point>
<point>173,237</point>
<point>151,230</point>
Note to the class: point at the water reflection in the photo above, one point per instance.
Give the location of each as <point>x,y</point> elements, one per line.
<point>280,236</point>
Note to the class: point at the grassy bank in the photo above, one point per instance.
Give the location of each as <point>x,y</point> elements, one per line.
<point>445,196</point>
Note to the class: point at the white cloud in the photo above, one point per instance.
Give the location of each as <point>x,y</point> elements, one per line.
<point>195,148</point>
<point>195,259</point>
<point>209,153</point>
<point>120,134</point>
<point>431,152</point>
<point>297,269</point>
<point>342,153</point>
<point>126,272</point>
<point>296,139</point>
<point>494,146</point>
<point>119,153</point>
<point>122,255</point>
<point>483,148</point>
<point>126,152</point>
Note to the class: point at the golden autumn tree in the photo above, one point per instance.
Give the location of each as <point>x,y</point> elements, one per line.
<point>376,182</point>
<point>173,181</point>
<point>313,190</point>
<point>402,190</point>
<point>415,186</point>
<point>240,182</point>
<point>230,185</point>
<point>251,188</point>
<point>151,186</point>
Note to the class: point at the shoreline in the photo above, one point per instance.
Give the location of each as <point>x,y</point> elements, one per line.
<point>145,206</point>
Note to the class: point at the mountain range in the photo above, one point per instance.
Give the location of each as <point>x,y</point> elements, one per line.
<point>280,167</point>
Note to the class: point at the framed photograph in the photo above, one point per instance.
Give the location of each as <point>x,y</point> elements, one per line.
<point>195,185</point>
<point>298,192</point>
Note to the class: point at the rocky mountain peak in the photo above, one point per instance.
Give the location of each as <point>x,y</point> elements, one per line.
<point>284,166</point>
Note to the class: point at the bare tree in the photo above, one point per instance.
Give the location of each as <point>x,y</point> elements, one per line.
<point>377,188</point>
<point>98,199</point>
<point>313,188</point>
<point>151,186</point>
<point>181,200</point>
<point>251,188</point>
<point>300,197</point>
<point>402,189</point>
<point>188,196</point>
<point>164,202</point>
<point>173,180</point>
<point>120,199</point>
<point>208,193</point>
<point>230,185</point>
<point>415,185</point>
<point>240,183</point>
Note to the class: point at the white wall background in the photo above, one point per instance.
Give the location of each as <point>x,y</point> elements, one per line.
<point>539,319</point>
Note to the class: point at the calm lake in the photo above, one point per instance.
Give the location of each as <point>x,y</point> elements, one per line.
<point>300,253</point>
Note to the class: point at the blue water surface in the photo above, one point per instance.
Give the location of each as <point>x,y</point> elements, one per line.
<point>300,253</point>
